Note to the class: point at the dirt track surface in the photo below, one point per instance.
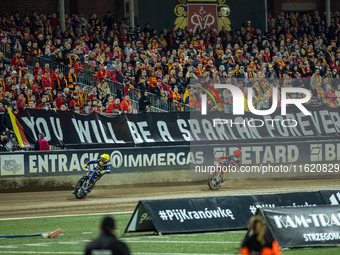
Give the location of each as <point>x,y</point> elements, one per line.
<point>121,199</point>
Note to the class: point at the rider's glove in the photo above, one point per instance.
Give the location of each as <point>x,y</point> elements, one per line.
<point>102,172</point>
<point>85,166</point>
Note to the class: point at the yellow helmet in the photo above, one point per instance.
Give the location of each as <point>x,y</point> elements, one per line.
<point>104,159</point>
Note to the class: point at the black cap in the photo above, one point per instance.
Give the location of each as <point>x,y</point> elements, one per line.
<point>108,222</point>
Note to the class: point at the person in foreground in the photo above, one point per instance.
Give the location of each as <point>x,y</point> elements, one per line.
<point>255,242</point>
<point>107,243</point>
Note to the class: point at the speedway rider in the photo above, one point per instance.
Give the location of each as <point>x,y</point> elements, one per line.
<point>234,160</point>
<point>102,168</point>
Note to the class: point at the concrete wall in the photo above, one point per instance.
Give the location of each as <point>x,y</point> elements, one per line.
<point>85,7</point>
<point>276,6</point>
<point>20,184</point>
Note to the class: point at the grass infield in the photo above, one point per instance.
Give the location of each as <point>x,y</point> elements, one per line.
<point>78,230</point>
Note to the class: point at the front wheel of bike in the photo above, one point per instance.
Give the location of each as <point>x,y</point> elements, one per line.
<point>79,192</point>
<point>214,181</point>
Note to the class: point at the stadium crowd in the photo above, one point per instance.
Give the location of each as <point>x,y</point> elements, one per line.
<point>173,65</point>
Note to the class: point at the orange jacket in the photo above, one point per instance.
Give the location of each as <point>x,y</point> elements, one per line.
<point>274,250</point>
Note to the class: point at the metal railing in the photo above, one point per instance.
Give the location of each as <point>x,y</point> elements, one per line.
<point>91,80</point>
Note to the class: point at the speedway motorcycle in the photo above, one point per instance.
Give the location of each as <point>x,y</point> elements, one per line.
<point>215,177</point>
<point>86,183</point>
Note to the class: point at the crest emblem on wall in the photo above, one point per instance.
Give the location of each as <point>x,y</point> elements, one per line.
<point>202,14</point>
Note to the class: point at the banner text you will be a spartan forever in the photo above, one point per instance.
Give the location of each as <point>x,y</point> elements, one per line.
<point>70,128</point>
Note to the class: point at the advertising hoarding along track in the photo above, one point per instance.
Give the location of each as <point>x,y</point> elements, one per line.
<point>305,159</point>
<point>304,226</point>
<point>213,213</point>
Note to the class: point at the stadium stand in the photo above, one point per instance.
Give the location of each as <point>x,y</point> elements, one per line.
<point>96,61</point>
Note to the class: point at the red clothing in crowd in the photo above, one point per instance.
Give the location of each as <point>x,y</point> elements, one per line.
<point>20,104</point>
<point>126,106</point>
<point>102,73</point>
<point>92,96</point>
<point>54,76</point>
<point>113,108</point>
<point>43,145</point>
<point>98,110</point>
<point>60,101</point>
<point>73,103</point>
<point>15,61</point>
<point>47,83</point>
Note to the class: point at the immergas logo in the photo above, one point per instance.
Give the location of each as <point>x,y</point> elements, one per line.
<point>155,159</point>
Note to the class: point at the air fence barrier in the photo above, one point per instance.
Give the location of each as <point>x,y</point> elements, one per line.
<point>172,163</point>
<point>225,213</point>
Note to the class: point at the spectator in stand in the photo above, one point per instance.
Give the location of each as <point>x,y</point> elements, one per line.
<point>60,83</point>
<point>337,93</point>
<point>114,107</point>
<point>2,112</point>
<point>88,106</point>
<point>83,97</point>
<point>79,70</point>
<point>14,108</point>
<point>72,79</point>
<point>4,142</point>
<point>144,103</point>
<point>64,108</point>
<point>77,109</point>
<point>16,59</point>
<point>118,76</point>
<point>47,69</point>
<point>126,105</point>
<point>55,74</point>
<point>263,105</point>
<point>102,73</point>
<point>95,107</point>
<point>330,97</point>
<point>74,101</point>
<point>94,94</point>
<point>42,144</point>
<point>55,106</point>
<point>21,101</point>
<point>68,95</point>
<point>286,50</point>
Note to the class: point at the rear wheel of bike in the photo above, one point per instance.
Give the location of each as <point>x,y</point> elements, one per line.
<point>78,191</point>
<point>214,181</point>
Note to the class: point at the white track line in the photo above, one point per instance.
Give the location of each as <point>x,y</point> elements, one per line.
<point>168,241</point>
<point>40,252</point>
<point>145,253</point>
<point>135,253</point>
<point>67,215</point>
